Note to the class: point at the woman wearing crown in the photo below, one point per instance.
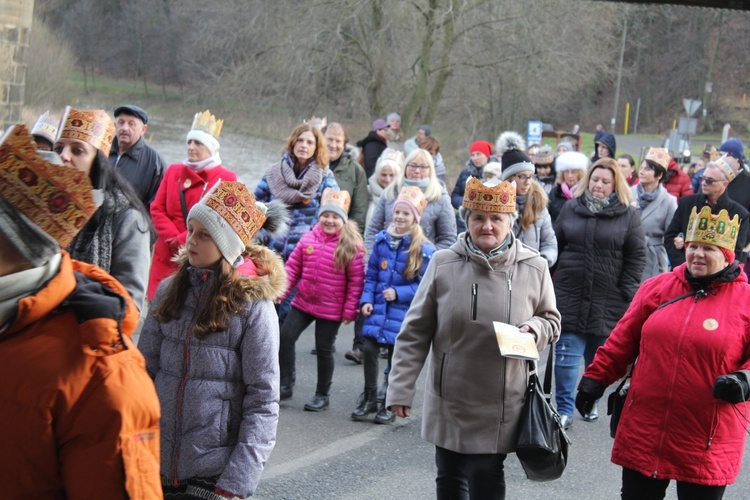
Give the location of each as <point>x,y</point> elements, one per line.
<point>184,184</point>
<point>691,349</point>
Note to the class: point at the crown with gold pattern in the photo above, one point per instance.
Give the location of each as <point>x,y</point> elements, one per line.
<point>414,197</point>
<point>705,227</point>
<point>722,163</point>
<point>59,200</point>
<point>236,205</point>
<point>660,156</point>
<point>500,198</point>
<point>335,201</point>
<point>45,127</point>
<point>206,122</point>
<point>92,125</point>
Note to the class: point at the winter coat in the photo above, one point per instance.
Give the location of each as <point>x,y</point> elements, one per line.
<point>303,216</point>
<point>682,217</point>
<point>142,167</point>
<point>170,220</point>
<point>472,395</point>
<point>438,221</point>
<point>351,178</point>
<point>556,201</point>
<point>385,270</point>
<point>540,236</point>
<point>671,425</point>
<point>372,147</point>
<point>323,290</point>
<point>220,394</point>
<point>374,190</point>
<point>80,416</point>
<point>739,189</point>
<point>677,182</point>
<point>599,267</point>
<point>655,219</point>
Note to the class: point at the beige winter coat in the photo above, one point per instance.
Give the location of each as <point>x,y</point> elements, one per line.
<point>473,396</point>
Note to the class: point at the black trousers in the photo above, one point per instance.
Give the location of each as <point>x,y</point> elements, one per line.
<point>325,337</point>
<point>636,486</point>
<point>372,361</point>
<point>359,341</point>
<point>469,476</point>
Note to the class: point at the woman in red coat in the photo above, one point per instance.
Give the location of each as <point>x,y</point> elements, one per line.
<point>693,361</point>
<point>184,184</point>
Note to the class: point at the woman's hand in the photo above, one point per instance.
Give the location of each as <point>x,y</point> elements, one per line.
<point>389,294</point>
<point>346,321</point>
<point>679,242</point>
<point>527,329</point>
<point>366,309</point>
<point>400,410</point>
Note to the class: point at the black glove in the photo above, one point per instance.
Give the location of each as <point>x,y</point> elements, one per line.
<point>732,388</point>
<point>589,391</point>
<point>90,300</point>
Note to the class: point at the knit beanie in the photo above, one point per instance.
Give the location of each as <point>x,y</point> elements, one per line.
<point>493,170</point>
<point>565,144</point>
<point>393,116</point>
<point>571,160</point>
<point>511,146</point>
<point>734,148</point>
<point>483,147</point>
<point>206,129</point>
<point>335,201</point>
<point>427,130</point>
<point>413,198</point>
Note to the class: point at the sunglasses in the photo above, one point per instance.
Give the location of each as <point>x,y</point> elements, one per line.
<point>708,181</point>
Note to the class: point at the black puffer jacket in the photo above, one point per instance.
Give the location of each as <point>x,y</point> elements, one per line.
<point>599,266</point>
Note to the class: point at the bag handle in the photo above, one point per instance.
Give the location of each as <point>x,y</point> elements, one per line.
<point>547,384</point>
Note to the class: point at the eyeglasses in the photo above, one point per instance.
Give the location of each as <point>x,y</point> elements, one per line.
<point>708,181</point>
<point>524,178</point>
<point>415,166</point>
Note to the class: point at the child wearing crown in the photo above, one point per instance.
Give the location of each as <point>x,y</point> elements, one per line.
<point>211,341</point>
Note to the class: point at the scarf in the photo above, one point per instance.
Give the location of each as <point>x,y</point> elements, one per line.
<point>421,184</point>
<point>520,202</point>
<point>495,251</point>
<point>594,204</point>
<point>375,189</point>
<point>198,166</point>
<point>291,189</point>
<point>395,237</point>
<point>34,245</point>
<point>644,198</point>
<point>704,283</point>
<point>16,286</point>
<point>93,244</point>
<point>567,191</point>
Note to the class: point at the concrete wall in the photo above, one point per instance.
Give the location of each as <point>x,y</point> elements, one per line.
<point>15,29</point>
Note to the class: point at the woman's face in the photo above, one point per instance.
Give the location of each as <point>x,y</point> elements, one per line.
<point>602,151</point>
<point>478,159</point>
<point>335,140</point>
<point>601,183</point>
<point>523,182</point>
<point>704,259</point>
<point>571,177</point>
<point>304,148</point>
<point>417,169</point>
<point>625,167</point>
<point>403,218</point>
<point>196,151</point>
<point>202,249</point>
<point>488,230</point>
<point>77,154</point>
<point>543,171</point>
<point>386,176</point>
<point>330,222</point>
<point>647,175</point>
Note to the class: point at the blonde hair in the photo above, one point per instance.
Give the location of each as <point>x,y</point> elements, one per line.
<point>349,245</point>
<point>434,190</point>
<point>414,256</point>
<point>536,201</point>
<point>621,188</point>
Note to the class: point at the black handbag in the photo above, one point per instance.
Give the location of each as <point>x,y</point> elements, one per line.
<point>542,446</point>
<point>616,402</point>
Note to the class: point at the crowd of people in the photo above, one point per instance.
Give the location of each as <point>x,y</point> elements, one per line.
<point>592,256</point>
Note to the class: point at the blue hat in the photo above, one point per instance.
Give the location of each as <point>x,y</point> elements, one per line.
<point>733,147</point>
<point>134,110</point>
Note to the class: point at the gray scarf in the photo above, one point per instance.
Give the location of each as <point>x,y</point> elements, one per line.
<point>285,186</point>
<point>645,198</point>
<point>594,204</point>
<point>34,245</point>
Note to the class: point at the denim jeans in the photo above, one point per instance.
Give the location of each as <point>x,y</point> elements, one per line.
<point>463,476</point>
<point>568,352</point>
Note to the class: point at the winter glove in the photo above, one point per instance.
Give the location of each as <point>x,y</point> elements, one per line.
<point>589,391</point>
<point>90,299</point>
<point>732,388</point>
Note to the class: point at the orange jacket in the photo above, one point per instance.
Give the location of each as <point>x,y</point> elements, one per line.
<point>79,413</point>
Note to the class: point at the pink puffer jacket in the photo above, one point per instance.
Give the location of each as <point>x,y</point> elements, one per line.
<point>322,290</point>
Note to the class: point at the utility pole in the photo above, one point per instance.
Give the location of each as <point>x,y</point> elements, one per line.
<point>619,73</point>
<point>15,31</point>
<point>710,76</point>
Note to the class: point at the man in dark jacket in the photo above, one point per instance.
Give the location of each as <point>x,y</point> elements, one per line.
<point>739,187</point>
<point>373,145</point>
<point>136,161</point>
<point>714,184</point>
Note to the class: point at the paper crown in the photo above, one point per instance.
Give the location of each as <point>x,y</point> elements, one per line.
<point>392,156</point>
<point>723,164</point>
<point>339,199</point>
<point>59,200</point>
<point>500,198</point>
<point>236,205</point>
<point>45,127</point>
<point>93,126</point>
<point>413,196</point>
<point>206,122</point>
<point>705,227</point>
<point>542,155</point>
<point>660,156</point>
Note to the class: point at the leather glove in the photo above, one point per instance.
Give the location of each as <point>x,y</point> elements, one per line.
<point>732,388</point>
<point>589,391</point>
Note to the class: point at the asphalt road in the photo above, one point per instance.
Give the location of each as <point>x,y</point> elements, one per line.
<point>328,456</point>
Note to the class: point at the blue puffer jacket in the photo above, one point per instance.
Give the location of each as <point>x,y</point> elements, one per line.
<point>385,270</point>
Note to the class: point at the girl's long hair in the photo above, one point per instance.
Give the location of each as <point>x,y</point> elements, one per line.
<point>536,201</point>
<point>224,298</point>
<point>434,190</point>
<point>414,257</point>
<point>349,245</point>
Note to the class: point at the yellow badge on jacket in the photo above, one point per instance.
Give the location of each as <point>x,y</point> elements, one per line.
<point>384,264</point>
<point>309,249</point>
<point>710,324</point>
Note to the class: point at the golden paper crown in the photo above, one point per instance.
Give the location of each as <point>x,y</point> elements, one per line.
<point>413,196</point>
<point>206,122</point>
<point>236,205</point>
<point>723,164</point>
<point>705,227</point>
<point>46,127</point>
<point>93,126</point>
<point>340,199</point>
<point>500,198</point>
<point>59,200</point>
<point>713,154</point>
<point>542,155</point>
<point>660,156</point>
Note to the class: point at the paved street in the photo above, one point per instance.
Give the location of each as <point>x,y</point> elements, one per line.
<point>328,456</point>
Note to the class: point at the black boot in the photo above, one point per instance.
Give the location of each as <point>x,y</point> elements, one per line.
<point>384,416</point>
<point>285,389</point>
<point>383,388</point>
<point>367,404</point>
<point>319,402</point>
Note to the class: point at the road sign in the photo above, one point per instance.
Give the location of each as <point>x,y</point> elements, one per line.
<point>687,126</point>
<point>534,132</point>
<point>691,106</point>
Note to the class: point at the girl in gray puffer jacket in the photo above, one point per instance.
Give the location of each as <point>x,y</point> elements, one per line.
<point>211,344</point>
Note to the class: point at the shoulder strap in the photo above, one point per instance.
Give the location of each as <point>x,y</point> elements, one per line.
<point>672,301</point>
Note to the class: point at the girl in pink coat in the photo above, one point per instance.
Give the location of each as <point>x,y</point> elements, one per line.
<point>327,267</point>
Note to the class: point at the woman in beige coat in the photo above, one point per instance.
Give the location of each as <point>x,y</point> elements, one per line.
<point>473,396</point>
